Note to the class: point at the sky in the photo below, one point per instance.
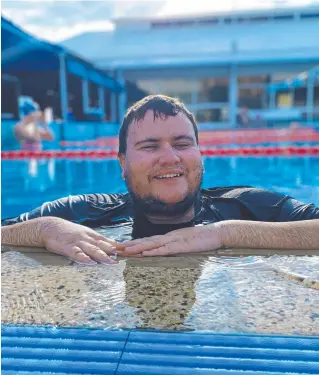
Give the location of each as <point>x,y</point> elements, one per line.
<point>57,20</point>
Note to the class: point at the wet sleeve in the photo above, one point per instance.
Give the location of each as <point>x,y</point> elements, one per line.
<point>73,208</point>
<point>293,210</point>
<point>265,205</point>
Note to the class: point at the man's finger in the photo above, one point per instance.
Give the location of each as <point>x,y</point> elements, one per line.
<point>167,249</point>
<point>143,246</point>
<point>134,242</point>
<point>99,237</point>
<point>141,240</point>
<point>107,248</point>
<point>96,253</point>
<point>132,255</point>
<point>77,255</point>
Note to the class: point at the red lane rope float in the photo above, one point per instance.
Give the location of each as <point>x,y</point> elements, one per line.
<point>112,153</point>
<point>223,137</point>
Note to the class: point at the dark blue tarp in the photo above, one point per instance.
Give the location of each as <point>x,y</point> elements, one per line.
<point>23,52</point>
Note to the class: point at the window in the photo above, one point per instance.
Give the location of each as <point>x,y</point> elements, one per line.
<point>300,97</point>
<point>148,86</point>
<point>213,90</point>
<point>210,21</point>
<point>281,77</point>
<point>251,19</point>
<point>212,115</point>
<point>177,88</point>
<point>9,99</point>
<point>184,23</point>
<point>93,92</point>
<point>107,105</point>
<point>309,15</point>
<point>284,17</point>
<point>246,80</point>
<point>284,100</point>
<point>253,98</point>
<point>158,25</point>
<point>75,102</point>
<point>134,92</point>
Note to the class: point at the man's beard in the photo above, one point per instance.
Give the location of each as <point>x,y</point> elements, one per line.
<point>150,205</point>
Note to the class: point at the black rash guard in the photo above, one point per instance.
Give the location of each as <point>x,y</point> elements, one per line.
<point>213,205</point>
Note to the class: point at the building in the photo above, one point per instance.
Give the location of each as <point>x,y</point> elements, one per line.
<point>221,65</point>
<point>71,87</point>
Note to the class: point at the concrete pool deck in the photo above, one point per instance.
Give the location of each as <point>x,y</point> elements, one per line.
<point>227,291</point>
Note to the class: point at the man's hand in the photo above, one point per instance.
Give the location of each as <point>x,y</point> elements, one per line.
<point>186,240</point>
<point>63,237</point>
<point>230,233</point>
<point>79,243</point>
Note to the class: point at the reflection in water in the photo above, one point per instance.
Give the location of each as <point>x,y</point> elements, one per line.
<point>249,294</point>
<point>217,304</point>
<point>162,296</point>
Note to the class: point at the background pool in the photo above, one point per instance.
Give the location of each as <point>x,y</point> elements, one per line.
<point>26,184</point>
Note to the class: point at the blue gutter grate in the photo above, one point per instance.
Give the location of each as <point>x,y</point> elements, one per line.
<point>77,351</point>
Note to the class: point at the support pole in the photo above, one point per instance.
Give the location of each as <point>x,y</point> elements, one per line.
<point>63,88</point>
<point>233,88</point>
<point>122,96</point>
<point>310,94</point>
<point>102,102</point>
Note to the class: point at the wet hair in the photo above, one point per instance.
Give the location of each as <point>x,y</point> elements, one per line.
<point>162,107</point>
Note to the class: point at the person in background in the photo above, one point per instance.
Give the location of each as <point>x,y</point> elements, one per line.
<point>243,119</point>
<point>165,206</point>
<point>32,129</point>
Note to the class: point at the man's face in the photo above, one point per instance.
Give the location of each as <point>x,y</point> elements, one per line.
<point>162,166</point>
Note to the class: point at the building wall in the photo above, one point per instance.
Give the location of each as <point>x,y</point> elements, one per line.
<point>218,66</point>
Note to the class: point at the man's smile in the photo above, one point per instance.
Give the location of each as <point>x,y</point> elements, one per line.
<point>169,176</point>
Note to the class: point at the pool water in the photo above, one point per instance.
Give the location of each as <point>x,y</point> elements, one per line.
<point>217,293</point>
<point>26,184</point>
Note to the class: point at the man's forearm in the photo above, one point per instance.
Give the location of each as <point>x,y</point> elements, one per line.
<point>28,233</point>
<point>269,235</point>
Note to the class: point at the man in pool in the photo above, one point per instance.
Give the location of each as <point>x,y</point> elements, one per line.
<point>162,167</point>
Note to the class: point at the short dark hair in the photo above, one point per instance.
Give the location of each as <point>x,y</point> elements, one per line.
<point>162,107</point>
